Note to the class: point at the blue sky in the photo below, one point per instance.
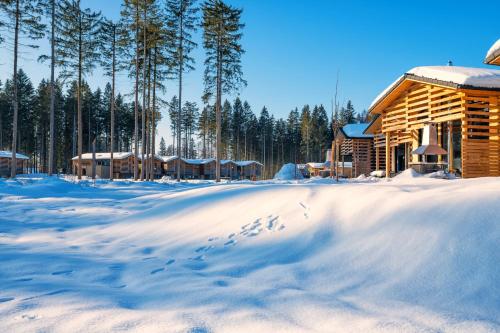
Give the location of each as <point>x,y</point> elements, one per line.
<point>294,48</point>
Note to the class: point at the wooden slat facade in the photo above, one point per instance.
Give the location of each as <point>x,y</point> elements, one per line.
<point>474,113</point>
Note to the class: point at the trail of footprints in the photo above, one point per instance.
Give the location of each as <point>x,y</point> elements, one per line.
<point>271,223</point>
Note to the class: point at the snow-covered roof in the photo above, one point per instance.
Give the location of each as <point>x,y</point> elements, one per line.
<point>356,131</point>
<point>104,156</point>
<point>198,161</point>
<point>158,157</point>
<point>455,76</point>
<point>316,165</point>
<point>222,162</point>
<point>246,163</point>
<point>493,52</point>
<point>8,154</point>
<point>168,158</point>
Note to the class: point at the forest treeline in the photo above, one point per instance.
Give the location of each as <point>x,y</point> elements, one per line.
<point>152,43</point>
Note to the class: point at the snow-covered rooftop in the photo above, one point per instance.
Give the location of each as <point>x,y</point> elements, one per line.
<point>316,165</point>
<point>104,156</point>
<point>493,52</point>
<point>158,157</point>
<point>198,161</point>
<point>246,163</point>
<point>356,130</point>
<point>8,154</point>
<point>168,158</point>
<point>453,75</point>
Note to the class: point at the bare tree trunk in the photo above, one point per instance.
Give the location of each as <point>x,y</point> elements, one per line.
<point>179,111</point>
<point>153,141</point>
<point>13,166</point>
<point>112,143</point>
<point>218,116</point>
<point>136,92</point>
<point>79,98</point>
<point>93,159</point>
<point>52,90</point>
<point>148,123</point>
<point>143,118</point>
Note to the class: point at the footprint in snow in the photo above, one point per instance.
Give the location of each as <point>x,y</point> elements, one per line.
<point>154,271</point>
<point>306,210</point>
<point>211,239</point>
<point>120,287</point>
<point>221,283</point>
<point>231,235</point>
<point>272,223</point>
<point>30,317</point>
<point>66,272</point>
<point>204,249</point>
<point>23,280</point>
<point>6,299</point>
<point>148,258</point>
<point>231,242</point>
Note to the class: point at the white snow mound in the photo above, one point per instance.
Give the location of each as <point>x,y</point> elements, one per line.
<point>288,172</point>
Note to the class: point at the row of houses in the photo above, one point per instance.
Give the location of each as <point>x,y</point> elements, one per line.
<point>431,118</point>
<point>123,167</point>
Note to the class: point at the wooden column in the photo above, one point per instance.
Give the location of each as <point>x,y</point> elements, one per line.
<point>440,139</point>
<point>332,158</point>
<point>387,155</point>
<point>377,158</point>
<point>414,145</point>
<point>450,146</point>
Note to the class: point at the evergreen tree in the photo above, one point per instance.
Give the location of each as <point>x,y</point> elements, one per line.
<point>221,39</point>
<point>77,47</point>
<point>181,24</point>
<point>237,128</point>
<point>348,114</point>
<point>163,147</point>
<point>226,116</point>
<point>50,11</point>
<point>190,118</point>
<point>131,41</point>
<point>306,132</point>
<point>173,113</point>
<point>23,17</point>
<point>294,135</point>
<point>111,54</point>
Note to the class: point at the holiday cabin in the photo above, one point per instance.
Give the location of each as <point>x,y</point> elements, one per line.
<point>228,169</point>
<point>249,169</point>
<point>356,150</point>
<point>123,164</point>
<point>6,161</point>
<point>440,117</point>
<point>157,165</point>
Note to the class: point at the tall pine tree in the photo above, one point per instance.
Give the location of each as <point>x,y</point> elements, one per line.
<point>221,38</point>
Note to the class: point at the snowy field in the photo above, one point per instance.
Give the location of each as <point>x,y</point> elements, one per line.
<point>408,255</point>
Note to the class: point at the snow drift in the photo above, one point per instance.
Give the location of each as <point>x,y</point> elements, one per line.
<point>288,171</point>
<point>414,254</point>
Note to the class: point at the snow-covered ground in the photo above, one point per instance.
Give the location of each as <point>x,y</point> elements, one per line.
<point>408,255</point>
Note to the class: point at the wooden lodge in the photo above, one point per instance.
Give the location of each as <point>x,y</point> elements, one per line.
<point>157,166</point>
<point>251,170</point>
<point>228,169</point>
<point>198,168</point>
<point>6,161</point>
<point>123,164</point>
<point>356,150</point>
<point>460,105</point>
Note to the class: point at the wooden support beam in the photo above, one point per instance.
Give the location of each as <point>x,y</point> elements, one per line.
<point>387,154</point>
